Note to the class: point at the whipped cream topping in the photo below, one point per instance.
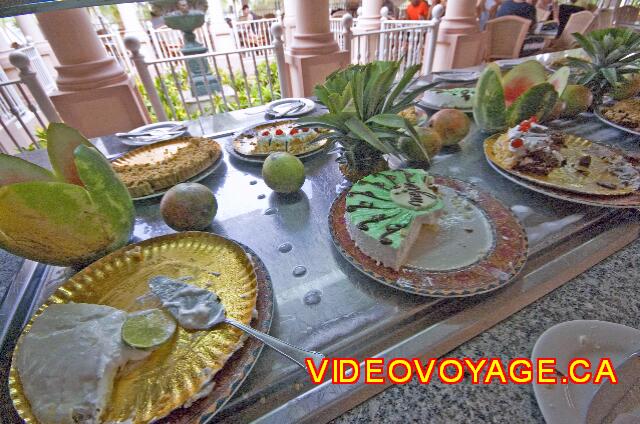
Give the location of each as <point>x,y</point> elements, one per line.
<point>531,138</point>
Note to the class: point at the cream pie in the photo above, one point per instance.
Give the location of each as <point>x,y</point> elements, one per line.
<point>385,211</point>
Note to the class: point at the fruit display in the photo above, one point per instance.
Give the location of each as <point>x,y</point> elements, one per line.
<point>524,91</point>
<point>452,125</point>
<point>283,172</point>
<point>613,57</point>
<point>363,121</point>
<point>188,207</point>
<point>71,216</point>
<point>430,142</point>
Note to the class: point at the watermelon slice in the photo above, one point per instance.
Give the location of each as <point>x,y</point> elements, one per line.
<point>559,79</point>
<point>538,101</point>
<point>62,141</point>
<point>521,78</point>
<point>488,102</point>
<point>15,170</point>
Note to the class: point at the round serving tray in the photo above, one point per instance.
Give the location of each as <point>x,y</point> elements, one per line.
<point>104,282</point>
<point>145,149</point>
<point>598,113</point>
<point>628,201</point>
<point>260,157</point>
<point>493,269</point>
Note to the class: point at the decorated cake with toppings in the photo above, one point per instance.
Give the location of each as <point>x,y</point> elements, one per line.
<point>271,138</point>
<point>450,98</point>
<point>385,211</point>
<point>532,148</point>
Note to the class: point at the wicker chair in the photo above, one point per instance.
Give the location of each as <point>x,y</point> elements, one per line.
<point>603,18</point>
<point>626,15</point>
<point>542,15</point>
<point>465,50</point>
<point>578,22</point>
<point>506,36</point>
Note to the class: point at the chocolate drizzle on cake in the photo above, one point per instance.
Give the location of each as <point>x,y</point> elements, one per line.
<point>416,195</point>
<point>376,218</point>
<point>390,229</point>
<point>366,194</point>
<point>364,205</point>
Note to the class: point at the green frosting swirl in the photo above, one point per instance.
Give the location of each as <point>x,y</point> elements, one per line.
<point>384,205</point>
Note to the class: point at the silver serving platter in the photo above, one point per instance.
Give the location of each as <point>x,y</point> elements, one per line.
<point>598,113</point>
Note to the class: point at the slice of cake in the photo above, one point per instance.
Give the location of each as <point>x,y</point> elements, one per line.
<point>385,212</point>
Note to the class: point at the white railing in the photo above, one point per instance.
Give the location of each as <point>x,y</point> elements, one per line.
<point>413,44</point>
<point>337,29</point>
<point>170,87</point>
<point>114,45</point>
<point>42,71</point>
<point>17,110</point>
<point>256,33</point>
<point>168,42</point>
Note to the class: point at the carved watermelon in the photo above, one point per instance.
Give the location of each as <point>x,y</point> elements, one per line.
<point>525,91</point>
<point>58,220</point>
<point>521,78</point>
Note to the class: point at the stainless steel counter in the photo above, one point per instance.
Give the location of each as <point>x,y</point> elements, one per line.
<point>357,317</point>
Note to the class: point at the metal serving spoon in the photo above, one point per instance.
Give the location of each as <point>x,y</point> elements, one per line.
<point>608,395</point>
<point>199,309</point>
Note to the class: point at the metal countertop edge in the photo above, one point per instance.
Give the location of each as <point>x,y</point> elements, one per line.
<point>538,279</point>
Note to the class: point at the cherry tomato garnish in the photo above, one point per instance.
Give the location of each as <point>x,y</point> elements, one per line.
<point>279,132</point>
<point>517,143</point>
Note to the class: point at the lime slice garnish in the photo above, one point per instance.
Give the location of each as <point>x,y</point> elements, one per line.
<point>148,329</point>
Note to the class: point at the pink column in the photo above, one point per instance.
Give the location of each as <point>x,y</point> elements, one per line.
<point>94,94</point>
<point>289,20</point>
<point>459,19</point>
<point>313,53</point>
<point>370,18</point>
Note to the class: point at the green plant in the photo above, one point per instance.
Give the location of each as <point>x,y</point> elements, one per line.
<point>613,53</point>
<point>254,91</point>
<point>363,121</point>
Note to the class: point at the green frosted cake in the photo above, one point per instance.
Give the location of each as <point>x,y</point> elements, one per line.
<point>385,211</point>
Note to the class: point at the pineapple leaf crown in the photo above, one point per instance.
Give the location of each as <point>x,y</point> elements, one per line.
<point>613,53</point>
<point>363,103</point>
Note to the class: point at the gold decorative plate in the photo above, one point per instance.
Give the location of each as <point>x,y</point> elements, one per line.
<point>173,374</point>
<point>245,141</point>
<point>156,180</point>
<point>567,177</point>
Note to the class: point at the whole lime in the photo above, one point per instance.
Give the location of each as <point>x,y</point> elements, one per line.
<point>283,172</point>
<point>188,206</point>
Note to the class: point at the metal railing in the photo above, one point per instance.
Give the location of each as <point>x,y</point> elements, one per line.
<point>175,90</point>
<point>256,33</point>
<point>19,115</point>
<point>168,42</point>
<point>413,44</point>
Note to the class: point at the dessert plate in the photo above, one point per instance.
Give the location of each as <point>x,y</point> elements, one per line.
<point>160,127</point>
<point>281,106</point>
<point>599,112</point>
<point>463,96</point>
<point>245,140</point>
<point>145,155</point>
<point>478,246</point>
<point>259,160</point>
<point>568,403</point>
<point>630,201</point>
<point>156,386</point>
<point>566,177</point>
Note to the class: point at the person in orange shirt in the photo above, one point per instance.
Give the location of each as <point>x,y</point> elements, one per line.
<point>417,10</point>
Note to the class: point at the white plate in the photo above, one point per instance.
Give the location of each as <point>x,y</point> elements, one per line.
<point>143,141</point>
<point>280,106</point>
<point>459,76</point>
<point>568,403</point>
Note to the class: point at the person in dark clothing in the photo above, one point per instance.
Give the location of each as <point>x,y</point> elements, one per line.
<point>517,8</point>
<point>564,12</point>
